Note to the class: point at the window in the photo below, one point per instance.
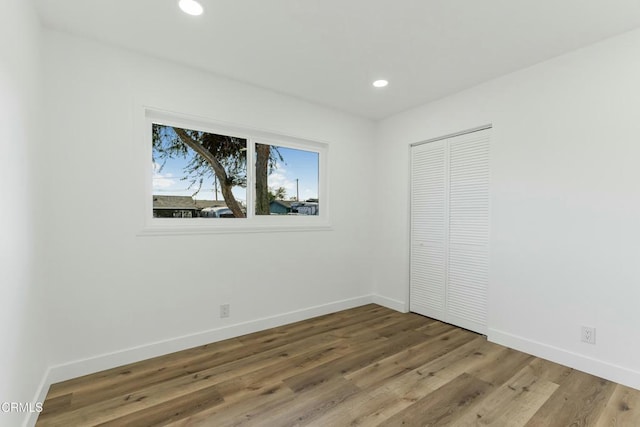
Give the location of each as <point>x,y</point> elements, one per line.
<point>198,171</point>
<point>286,181</point>
<point>210,177</point>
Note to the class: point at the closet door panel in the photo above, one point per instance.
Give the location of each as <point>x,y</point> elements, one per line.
<point>467,289</point>
<point>428,277</point>
<point>468,245</point>
<point>428,230</point>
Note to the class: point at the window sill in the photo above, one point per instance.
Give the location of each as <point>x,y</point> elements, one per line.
<point>177,227</point>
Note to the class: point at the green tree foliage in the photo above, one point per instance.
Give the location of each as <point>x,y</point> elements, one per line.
<point>279,193</point>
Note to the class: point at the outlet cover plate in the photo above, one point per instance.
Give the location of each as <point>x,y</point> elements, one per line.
<point>588,335</point>
<point>224,310</point>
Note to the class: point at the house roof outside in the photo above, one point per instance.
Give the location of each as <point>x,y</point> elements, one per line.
<point>289,203</point>
<point>201,204</point>
<point>283,203</point>
<point>184,202</point>
<point>187,202</point>
<point>306,207</point>
<point>173,202</point>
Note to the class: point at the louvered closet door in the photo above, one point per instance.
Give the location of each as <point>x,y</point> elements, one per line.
<point>428,229</point>
<point>450,230</point>
<point>468,267</point>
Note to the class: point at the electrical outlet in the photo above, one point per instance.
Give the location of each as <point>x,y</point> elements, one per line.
<point>224,310</point>
<point>588,335</point>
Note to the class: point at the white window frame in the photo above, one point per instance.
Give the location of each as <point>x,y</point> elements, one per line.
<point>253,222</point>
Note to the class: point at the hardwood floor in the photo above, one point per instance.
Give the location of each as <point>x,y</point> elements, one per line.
<point>366,366</point>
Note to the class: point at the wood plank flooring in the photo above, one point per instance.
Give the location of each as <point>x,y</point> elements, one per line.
<point>368,366</point>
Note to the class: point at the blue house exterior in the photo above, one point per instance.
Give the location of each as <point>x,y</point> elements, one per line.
<point>279,207</point>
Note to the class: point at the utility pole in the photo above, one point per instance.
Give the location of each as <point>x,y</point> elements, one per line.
<point>297,193</point>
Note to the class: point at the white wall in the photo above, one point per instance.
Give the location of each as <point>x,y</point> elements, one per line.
<point>115,290</point>
<point>22,361</point>
<point>565,203</point>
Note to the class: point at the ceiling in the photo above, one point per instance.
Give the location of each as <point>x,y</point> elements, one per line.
<point>329,51</point>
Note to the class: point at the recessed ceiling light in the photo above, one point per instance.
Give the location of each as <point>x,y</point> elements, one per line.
<point>380,83</point>
<point>192,7</point>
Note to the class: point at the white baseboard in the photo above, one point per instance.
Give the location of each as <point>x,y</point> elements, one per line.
<point>609,371</point>
<point>41,394</point>
<point>393,304</point>
<point>99,363</point>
